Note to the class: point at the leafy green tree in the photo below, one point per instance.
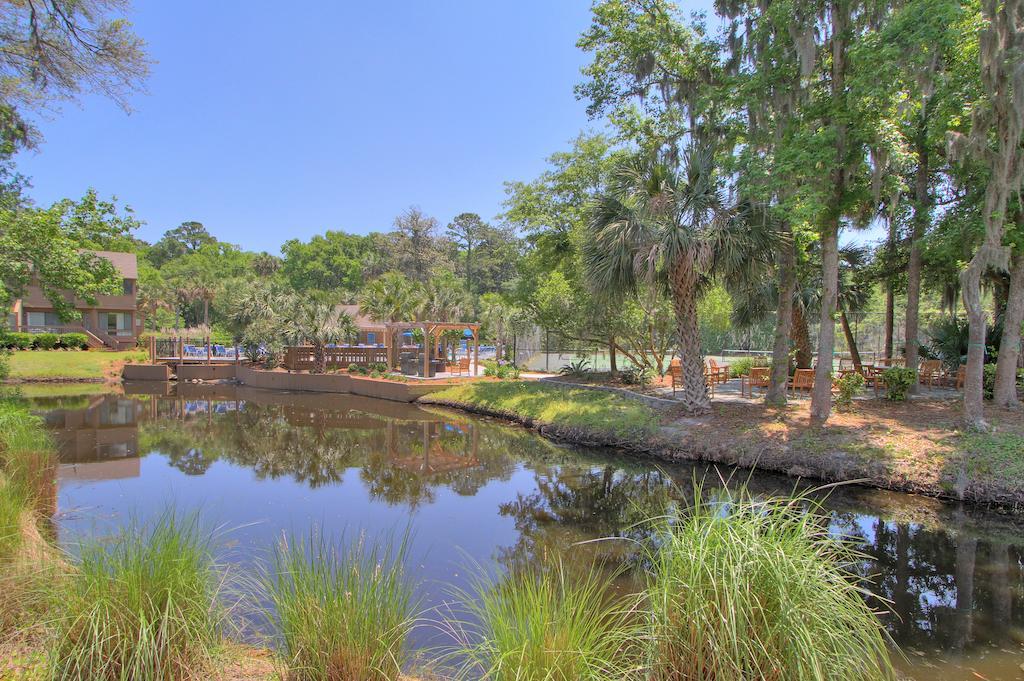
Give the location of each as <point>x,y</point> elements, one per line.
<point>331,262</point>
<point>188,237</point>
<point>47,244</point>
<point>466,231</point>
<point>995,137</point>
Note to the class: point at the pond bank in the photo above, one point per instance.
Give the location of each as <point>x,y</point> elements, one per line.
<point>907,447</point>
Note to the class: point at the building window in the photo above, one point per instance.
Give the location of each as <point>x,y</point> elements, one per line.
<point>119,323</point>
<point>129,287</point>
<point>40,321</point>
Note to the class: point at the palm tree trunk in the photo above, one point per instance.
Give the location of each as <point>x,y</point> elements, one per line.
<point>801,337</point>
<point>783,321</point>
<point>319,358</point>
<point>821,394</point>
<point>851,342</point>
<point>1005,394</point>
<point>206,312</point>
<point>683,281</point>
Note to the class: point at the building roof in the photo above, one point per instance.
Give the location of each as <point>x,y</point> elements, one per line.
<point>362,321</point>
<point>126,263</point>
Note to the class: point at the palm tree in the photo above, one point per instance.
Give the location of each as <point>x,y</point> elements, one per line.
<point>655,222</point>
<point>391,298</point>
<point>318,323</point>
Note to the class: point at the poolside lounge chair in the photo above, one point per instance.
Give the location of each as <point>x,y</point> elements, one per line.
<point>759,378</point>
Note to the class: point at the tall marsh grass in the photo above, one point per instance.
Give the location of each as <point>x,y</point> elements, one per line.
<point>743,590</point>
<point>546,624</point>
<point>144,607</point>
<point>341,615</point>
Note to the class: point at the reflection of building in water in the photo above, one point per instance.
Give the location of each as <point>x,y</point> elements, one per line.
<point>437,452</point>
<point>99,442</point>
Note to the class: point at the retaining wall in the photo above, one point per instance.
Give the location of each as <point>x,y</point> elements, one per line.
<point>205,372</point>
<point>336,383</point>
<point>146,372</point>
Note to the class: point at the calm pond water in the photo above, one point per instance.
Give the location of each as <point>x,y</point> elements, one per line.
<point>471,490</point>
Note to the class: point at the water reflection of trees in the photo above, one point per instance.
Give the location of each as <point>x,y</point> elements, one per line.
<point>953,577</point>
<point>946,587</point>
<point>400,462</point>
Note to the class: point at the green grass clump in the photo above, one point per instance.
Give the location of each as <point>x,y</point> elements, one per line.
<point>54,364</point>
<point>557,404</point>
<point>340,615</point>
<point>547,624</point>
<point>144,607</point>
<point>747,590</point>
<point>995,453</point>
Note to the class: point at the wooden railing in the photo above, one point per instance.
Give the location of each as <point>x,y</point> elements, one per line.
<point>300,358</point>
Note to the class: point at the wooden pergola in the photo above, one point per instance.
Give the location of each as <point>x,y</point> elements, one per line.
<point>431,330</point>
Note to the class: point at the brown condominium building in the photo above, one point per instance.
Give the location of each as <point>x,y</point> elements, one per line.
<point>112,322</point>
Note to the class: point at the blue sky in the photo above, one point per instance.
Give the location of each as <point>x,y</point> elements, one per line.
<point>266,124</point>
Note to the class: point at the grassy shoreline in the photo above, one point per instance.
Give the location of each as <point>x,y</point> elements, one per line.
<point>916,447</point>
<point>47,366</point>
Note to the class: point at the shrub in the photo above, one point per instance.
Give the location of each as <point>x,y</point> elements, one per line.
<point>988,382</point>
<point>74,341</point>
<point>5,364</point>
<point>379,367</point>
<point>19,340</point>
<point>340,615</point>
<point>754,589</point>
<point>545,624</point>
<point>898,382</point>
<point>743,365</point>
<point>579,368</point>
<point>501,370</point>
<point>358,370</point>
<point>849,387</point>
<point>46,341</point>
<point>636,376</point>
<point>143,608</point>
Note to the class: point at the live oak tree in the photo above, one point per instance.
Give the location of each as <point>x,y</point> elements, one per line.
<point>995,137</point>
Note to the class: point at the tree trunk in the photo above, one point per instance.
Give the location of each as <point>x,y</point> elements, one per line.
<point>801,337</point>
<point>683,278</point>
<point>821,394</point>
<point>974,413</point>
<point>922,214</point>
<point>613,367</point>
<point>206,312</point>
<point>851,342</point>
<point>890,313</point>
<point>783,320</point>
<point>319,358</point>
<point>1005,394</point>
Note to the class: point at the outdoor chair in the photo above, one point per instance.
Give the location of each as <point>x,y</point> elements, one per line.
<point>675,370</point>
<point>930,372</point>
<point>461,366</point>
<point>803,379</point>
<point>759,378</point>
<point>961,377</point>
<point>716,373</point>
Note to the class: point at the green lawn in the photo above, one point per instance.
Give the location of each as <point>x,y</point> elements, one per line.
<point>57,364</point>
<point>557,405</point>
